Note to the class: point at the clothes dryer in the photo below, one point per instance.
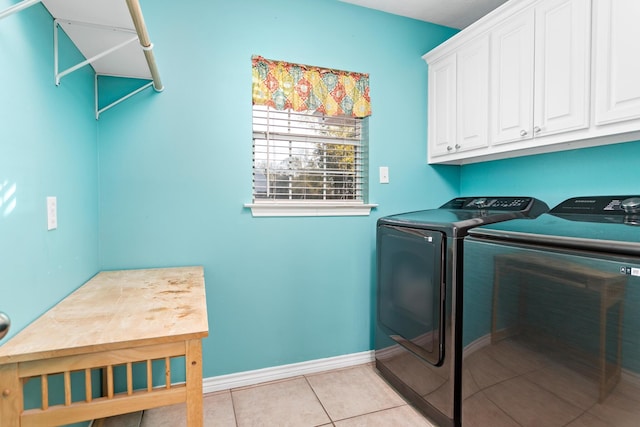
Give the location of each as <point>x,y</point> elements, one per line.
<point>418,340</point>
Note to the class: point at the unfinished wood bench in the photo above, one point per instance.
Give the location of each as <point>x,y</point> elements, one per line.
<point>117,321</point>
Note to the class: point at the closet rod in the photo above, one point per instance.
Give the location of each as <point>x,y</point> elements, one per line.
<point>147,46</point>
<point>18,7</point>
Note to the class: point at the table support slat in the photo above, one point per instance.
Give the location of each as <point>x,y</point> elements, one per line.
<point>149,375</point>
<point>45,392</point>
<point>129,379</point>
<point>167,372</point>
<point>88,388</point>
<point>67,388</point>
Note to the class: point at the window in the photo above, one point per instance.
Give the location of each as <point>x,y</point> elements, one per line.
<point>306,161</point>
<point>307,156</point>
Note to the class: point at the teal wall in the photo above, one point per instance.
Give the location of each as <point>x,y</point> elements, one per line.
<point>47,148</point>
<point>175,171</point>
<point>555,177</point>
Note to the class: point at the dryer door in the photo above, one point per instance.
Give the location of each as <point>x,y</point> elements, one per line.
<point>411,289</point>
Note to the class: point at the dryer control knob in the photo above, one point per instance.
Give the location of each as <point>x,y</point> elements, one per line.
<point>631,205</point>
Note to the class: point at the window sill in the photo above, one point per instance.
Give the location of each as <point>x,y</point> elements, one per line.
<point>262,209</point>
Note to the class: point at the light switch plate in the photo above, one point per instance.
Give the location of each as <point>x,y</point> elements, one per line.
<point>384,174</point>
<point>52,213</point>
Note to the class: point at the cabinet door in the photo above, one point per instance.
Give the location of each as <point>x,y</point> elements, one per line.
<point>442,106</point>
<point>512,79</point>
<point>617,62</point>
<point>473,95</point>
<point>562,62</point>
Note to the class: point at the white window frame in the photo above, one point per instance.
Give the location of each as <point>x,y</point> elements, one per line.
<point>261,207</point>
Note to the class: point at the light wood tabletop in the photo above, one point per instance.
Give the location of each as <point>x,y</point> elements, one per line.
<point>116,309</point>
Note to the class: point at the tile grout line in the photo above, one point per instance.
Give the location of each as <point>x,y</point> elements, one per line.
<point>233,408</point>
<point>319,401</point>
<point>405,403</point>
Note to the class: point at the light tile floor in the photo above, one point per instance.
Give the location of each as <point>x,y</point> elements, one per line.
<point>350,397</point>
<point>508,388</point>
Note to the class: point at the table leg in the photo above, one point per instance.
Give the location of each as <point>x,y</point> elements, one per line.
<point>193,360</point>
<point>11,403</point>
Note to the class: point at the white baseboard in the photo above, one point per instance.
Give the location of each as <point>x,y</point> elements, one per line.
<point>242,379</point>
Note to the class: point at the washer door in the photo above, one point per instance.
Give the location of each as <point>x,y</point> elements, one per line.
<point>411,289</point>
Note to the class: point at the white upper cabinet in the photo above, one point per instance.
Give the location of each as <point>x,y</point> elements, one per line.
<point>472,125</point>
<point>563,74</point>
<point>617,60</point>
<point>458,92</point>
<point>540,71</point>
<point>512,79</point>
<point>562,61</point>
<point>442,105</point>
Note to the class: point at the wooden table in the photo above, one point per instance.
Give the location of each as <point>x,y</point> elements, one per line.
<point>117,319</point>
<point>608,287</point>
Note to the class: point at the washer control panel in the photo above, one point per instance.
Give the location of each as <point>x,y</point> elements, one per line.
<point>602,209</point>
<point>489,203</point>
<point>599,205</point>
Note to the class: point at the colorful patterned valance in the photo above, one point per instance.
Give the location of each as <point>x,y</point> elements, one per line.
<point>283,86</point>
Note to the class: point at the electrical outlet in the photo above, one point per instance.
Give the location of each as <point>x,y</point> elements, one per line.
<point>384,174</point>
<point>52,213</point>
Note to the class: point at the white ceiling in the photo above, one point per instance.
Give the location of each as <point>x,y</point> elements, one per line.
<point>451,13</point>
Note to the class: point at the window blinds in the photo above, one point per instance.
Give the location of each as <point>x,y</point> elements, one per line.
<point>307,156</point>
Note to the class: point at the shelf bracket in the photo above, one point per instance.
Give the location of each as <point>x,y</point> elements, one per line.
<point>59,74</point>
<point>119,100</point>
<point>56,29</point>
